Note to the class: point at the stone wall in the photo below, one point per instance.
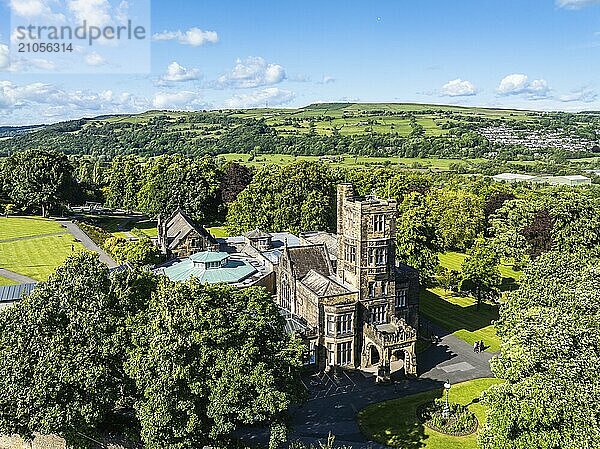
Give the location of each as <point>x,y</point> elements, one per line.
<point>39,442</point>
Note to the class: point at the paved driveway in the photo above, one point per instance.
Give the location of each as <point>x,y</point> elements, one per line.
<point>335,402</point>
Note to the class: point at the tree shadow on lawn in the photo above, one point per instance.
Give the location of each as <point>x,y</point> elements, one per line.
<point>394,423</point>
<point>453,317</point>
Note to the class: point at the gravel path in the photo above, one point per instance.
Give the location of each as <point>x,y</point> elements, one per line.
<point>88,242</point>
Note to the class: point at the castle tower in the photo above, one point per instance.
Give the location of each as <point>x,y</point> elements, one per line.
<point>366,250</point>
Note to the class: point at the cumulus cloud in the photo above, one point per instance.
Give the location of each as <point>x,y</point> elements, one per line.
<point>35,9</point>
<point>271,96</point>
<point>48,100</point>
<point>94,59</point>
<point>94,12</point>
<point>576,4</point>
<point>194,37</point>
<point>519,84</point>
<point>459,88</point>
<point>176,74</point>
<point>252,72</point>
<point>183,100</point>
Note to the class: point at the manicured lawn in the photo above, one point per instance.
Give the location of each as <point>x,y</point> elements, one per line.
<point>453,261</point>
<point>218,232</point>
<point>4,282</point>
<point>36,257</point>
<point>18,227</point>
<point>459,315</point>
<point>394,422</point>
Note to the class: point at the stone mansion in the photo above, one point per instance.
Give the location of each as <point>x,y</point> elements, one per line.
<point>344,294</point>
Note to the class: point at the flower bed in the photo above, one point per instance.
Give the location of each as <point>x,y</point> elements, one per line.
<point>460,422</point>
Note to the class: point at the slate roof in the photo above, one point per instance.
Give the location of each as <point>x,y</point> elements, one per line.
<point>323,238</point>
<point>12,293</point>
<point>306,258</point>
<point>178,227</point>
<point>257,234</point>
<point>323,285</point>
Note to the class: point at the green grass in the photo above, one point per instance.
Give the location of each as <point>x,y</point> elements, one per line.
<point>453,261</point>
<point>394,422</point>
<point>19,227</point>
<point>5,281</point>
<point>459,315</point>
<point>121,226</point>
<point>346,161</point>
<point>36,257</point>
<point>218,232</point>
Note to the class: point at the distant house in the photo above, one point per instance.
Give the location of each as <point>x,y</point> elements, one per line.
<point>179,236</point>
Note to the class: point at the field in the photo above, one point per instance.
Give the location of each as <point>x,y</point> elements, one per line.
<point>346,160</point>
<point>394,422</point>
<point>34,247</point>
<point>347,119</point>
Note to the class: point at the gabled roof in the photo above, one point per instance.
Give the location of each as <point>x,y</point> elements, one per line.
<point>178,227</point>
<point>323,238</point>
<point>323,285</point>
<point>12,293</point>
<point>306,258</point>
<point>257,234</point>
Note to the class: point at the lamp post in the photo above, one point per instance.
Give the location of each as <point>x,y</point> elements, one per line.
<point>446,409</point>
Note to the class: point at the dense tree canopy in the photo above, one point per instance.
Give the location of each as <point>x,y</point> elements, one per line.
<point>550,329</point>
<point>416,238</point>
<point>62,351</point>
<point>296,197</point>
<point>38,180</point>
<point>207,358</point>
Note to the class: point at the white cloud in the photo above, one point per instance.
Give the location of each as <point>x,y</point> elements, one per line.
<point>194,37</point>
<point>4,56</point>
<point>328,80</point>
<point>583,95</point>
<point>94,59</point>
<point>94,12</point>
<point>35,9</point>
<point>576,4</point>
<point>43,99</point>
<point>459,88</point>
<point>183,100</point>
<point>271,96</point>
<point>177,73</point>
<point>252,72</point>
<point>519,84</point>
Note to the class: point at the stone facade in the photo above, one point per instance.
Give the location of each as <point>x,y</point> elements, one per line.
<point>179,236</point>
<point>363,313</point>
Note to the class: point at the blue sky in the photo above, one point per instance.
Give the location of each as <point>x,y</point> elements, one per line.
<point>534,54</point>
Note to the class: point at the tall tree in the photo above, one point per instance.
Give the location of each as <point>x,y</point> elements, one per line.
<point>169,182</point>
<point>457,215</point>
<point>38,179</point>
<point>550,329</point>
<point>236,178</point>
<point>416,237</point>
<point>296,197</point>
<point>62,351</point>
<point>124,182</point>
<point>480,272</point>
<point>208,358</point>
